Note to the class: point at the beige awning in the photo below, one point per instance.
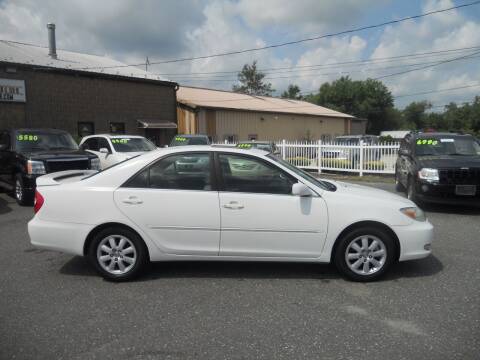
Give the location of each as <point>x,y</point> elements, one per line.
<point>156,124</point>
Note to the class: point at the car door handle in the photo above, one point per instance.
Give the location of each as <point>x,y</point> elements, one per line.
<point>132,200</point>
<point>233,205</point>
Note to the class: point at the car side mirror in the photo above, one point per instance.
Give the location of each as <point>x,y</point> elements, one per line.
<point>104,151</point>
<point>404,152</point>
<point>3,147</point>
<point>300,189</point>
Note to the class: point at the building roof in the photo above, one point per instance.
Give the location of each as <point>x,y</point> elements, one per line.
<point>34,55</point>
<point>207,98</point>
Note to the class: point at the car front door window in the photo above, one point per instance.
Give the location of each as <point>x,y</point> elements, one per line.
<point>250,175</point>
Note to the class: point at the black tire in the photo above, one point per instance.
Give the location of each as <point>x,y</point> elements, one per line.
<point>23,196</point>
<point>411,192</point>
<point>141,253</point>
<point>342,247</point>
<point>398,185</point>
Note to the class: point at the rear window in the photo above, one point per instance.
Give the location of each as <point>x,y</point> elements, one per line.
<point>180,140</point>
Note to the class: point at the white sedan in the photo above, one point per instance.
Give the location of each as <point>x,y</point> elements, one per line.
<point>210,203</point>
<point>112,149</point>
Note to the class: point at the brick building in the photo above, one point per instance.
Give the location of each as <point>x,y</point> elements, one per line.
<point>82,93</point>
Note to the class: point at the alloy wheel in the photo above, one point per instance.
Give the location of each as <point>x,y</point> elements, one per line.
<point>366,254</point>
<point>116,254</point>
<point>18,190</point>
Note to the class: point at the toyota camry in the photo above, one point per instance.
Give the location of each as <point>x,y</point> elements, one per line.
<point>211,203</point>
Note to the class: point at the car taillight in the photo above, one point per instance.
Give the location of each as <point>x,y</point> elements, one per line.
<point>39,200</point>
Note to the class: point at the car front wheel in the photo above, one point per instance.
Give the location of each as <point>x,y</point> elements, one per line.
<point>23,196</point>
<point>365,254</point>
<point>118,254</point>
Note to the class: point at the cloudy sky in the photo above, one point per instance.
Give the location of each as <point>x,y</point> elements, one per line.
<point>130,30</point>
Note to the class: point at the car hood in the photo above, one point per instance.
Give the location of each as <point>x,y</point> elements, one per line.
<point>448,161</point>
<point>370,193</point>
<point>59,154</point>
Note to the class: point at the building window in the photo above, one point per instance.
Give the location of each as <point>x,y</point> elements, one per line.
<point>252,137</point>
<point>117,128</point>
<point>85,129</point>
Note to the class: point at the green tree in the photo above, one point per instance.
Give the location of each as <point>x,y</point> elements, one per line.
<point>369,99</point>
<point>292,92</point>
<point>252,81</point>
<point>414,114</point>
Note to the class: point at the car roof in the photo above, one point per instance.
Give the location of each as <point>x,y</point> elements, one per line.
<point>113,136</point>
<point>439,134</point>
<point>203,148</point>
<point>190,135</point>
<point>49,130</point>
<point>255,142</point>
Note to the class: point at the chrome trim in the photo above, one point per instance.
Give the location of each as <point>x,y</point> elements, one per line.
<point>190,228</point>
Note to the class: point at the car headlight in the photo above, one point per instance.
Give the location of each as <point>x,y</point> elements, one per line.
<point>414,213</point>
<point>35,167</point>
<point>95,164</point>
<point>428,174</point>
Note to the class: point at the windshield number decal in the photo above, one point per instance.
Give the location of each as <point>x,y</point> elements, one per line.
<point>427,142</point>
<point>180,138</point>
<point>244,146</point>
<point>120,141</point>
<point>26,137</point>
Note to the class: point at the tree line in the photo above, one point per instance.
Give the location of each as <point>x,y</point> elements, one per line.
<point>370,99</point>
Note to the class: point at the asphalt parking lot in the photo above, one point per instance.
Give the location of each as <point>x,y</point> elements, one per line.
<point>53,306</point>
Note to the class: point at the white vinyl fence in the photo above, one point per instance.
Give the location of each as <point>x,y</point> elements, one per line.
<point>362,158</point>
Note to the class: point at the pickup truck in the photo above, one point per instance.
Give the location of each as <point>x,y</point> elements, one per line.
<point>26,154</point>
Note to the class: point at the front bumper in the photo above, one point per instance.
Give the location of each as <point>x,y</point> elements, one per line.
<point>415,240</point>
<point>64,237</point>
<point>445,194</point>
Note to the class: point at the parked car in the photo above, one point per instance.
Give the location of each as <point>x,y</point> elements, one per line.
<point>439,168</point>
<point>182,140</point>
<point>112,149</point>
<point>354,153</point>
<point>149,209</point>
<point>262,145</point>
<point>26,154</point>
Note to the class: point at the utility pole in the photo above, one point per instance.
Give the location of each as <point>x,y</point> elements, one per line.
<point>146,64</point>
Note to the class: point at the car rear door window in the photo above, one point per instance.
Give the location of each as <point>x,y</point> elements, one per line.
<point>177,172</point>
<point>251,175</point>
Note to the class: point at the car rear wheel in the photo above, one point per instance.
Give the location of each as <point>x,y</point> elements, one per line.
<point>23,196</point>
<point>118,254</point>
<point>365,254</point>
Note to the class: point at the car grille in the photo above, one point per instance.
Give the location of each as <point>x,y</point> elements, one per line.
<point>469,176</point>
<point>61,165</point>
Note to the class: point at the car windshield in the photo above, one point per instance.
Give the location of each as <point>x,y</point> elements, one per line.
<point>183,140</point>
<point>126,144</point>
<point>28,140</point>
<point>305,175</point>
<point>453,145</point>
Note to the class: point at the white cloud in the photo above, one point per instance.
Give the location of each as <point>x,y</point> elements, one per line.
<point>130,30</point>
<point>448,30</point>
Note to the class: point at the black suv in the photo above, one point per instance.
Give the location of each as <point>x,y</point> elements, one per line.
<point>26,154</point>
<point>440,168</point>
